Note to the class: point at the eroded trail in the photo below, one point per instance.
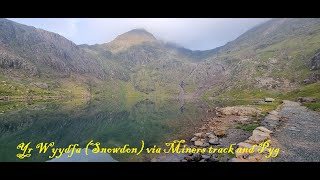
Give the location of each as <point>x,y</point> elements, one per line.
<point>299,136</point>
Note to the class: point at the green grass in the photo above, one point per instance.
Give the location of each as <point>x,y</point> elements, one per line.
<point>247,97</point>
<point>311,90</point>
<point>10,88</point>
<point>247,127</point>
<point>313,106</point>
<point>269,106</point>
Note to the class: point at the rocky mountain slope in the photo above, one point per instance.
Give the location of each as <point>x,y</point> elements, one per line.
<point>39,52</point>
<point>276,56</point>
<point>279,55</point>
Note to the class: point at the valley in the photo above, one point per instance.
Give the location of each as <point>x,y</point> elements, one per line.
<point>138,86</point>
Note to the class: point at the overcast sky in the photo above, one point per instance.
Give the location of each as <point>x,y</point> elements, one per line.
<point>195,34</point>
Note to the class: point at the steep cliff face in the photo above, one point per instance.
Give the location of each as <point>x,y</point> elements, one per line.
<point>42,52</point>
<point>315,62</point>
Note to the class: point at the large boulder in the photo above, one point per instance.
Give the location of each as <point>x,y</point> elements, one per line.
<point>259,135</point>
<point>239,111</point>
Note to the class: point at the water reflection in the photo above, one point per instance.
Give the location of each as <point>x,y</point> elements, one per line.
<point>113,123</point>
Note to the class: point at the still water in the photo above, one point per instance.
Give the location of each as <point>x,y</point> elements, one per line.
<point>111,122</point>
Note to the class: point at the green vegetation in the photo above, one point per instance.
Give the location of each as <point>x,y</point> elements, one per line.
<point>247,127</point>
<point>10,88</point>
<point>311,90</point>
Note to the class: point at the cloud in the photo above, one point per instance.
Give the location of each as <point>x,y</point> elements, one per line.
<point>193,33</point>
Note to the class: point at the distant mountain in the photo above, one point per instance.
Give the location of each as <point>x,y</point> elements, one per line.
<point>276,56</point>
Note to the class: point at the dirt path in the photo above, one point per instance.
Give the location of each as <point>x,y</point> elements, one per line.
<point>299,136</point>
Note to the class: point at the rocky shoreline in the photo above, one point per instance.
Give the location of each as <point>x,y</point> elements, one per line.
<point>225,129</point>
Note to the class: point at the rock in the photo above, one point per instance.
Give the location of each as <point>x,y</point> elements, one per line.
<point>202,128</point>
<point>202,160</point>
<point>193,139</point>
<point>244,145</point>
<point>306,99</point>
<point>198,135</point>
<point>257,158</point>
<point>188,158</point>
<point>183,160</point>
<point>206,157</point>
<point>315,62</point>
<point>153,160</point>
<point>272,120</point>
<point>238,160</point>
<point>215,155</point>
<point>212,136</point>
<point>220,133</point>
<point>262,133</point>
<point>204,145</point>
<point>307,81</point>
<point>214,141</point>
<point>258,138</point>
<point>276,113</point>
<point>198,143</point>
<point>239,111</point>
<point>263,129</point>
<point>269,99</point>
<point>213,159</point>
<point>196,157</point>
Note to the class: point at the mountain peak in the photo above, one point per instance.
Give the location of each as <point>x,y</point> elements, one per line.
<point>140,35</point>
<point>130,38</point>
<point>140,31</point>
